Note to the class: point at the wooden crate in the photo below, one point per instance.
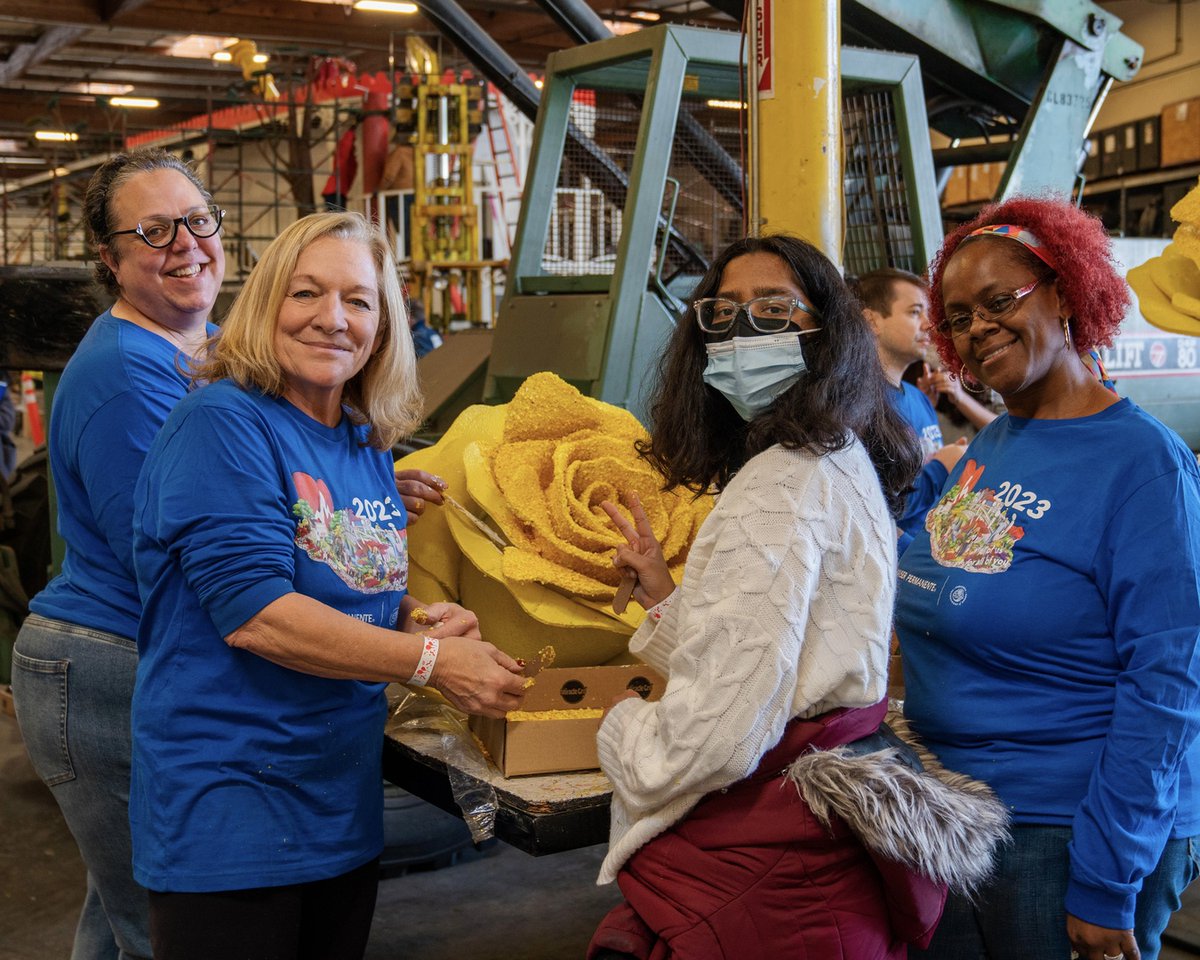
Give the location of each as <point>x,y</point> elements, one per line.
<point>1179,132</point>
<point>956,188</point>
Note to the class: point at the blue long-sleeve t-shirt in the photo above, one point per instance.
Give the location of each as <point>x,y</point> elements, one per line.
<point>1049,621</point>
<point>247,773</point>
<point>919,414</point>
<point>114,394</point>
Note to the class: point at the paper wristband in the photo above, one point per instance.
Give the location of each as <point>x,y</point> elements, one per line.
<point>656,612</point>
<point>429,652</point>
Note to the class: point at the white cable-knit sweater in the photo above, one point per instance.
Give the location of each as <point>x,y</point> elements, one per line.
<point>784,611</point>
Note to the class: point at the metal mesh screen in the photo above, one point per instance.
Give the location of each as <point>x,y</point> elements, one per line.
<point>585,221</point>
<point>708,209</point>
<point>587,217</point>
<point>878,228</point>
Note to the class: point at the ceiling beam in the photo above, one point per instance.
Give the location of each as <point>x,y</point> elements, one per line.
<point>321,24</point>
<point>28,55</point>
<point>110,10</point>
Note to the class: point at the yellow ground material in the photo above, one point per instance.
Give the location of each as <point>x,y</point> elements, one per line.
<point>588,713</point>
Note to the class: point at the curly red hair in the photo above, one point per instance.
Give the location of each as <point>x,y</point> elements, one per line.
<point>1087,278</point>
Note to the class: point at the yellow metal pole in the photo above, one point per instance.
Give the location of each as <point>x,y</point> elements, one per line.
<point>799,121</point>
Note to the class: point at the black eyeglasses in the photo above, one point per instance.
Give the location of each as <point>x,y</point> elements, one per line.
<point>992,309</point>
<point>159,232</point>
<point>766,314</point>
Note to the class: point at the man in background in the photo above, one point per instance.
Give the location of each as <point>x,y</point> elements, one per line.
<point>896,305</point>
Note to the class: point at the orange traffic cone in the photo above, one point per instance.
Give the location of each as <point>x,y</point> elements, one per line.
<point>33,416</point>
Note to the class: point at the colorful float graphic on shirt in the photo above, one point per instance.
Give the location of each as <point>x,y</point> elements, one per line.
<point>972,530</point>
<point>365,557</point>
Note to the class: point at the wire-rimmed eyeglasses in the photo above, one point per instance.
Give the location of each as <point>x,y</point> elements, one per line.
<point>993,309</point>
<point>159,232</point>
<point>765,314</point>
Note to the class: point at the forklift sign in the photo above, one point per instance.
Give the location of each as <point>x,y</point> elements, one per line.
<point>765,44</point>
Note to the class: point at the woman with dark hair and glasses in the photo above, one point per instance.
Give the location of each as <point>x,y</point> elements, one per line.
<point>1049,612</point>
<point>156,232</point>
<point>775,643</point>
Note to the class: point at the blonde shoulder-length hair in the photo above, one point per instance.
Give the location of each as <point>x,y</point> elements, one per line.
<point>384,394</point>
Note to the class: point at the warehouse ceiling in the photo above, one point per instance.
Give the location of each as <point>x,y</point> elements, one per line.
<point>62,61</point>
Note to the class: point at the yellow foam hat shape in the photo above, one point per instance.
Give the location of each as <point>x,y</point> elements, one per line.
<point>1168,286</point>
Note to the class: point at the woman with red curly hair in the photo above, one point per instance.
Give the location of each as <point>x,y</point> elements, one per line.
<point>1049,612</point>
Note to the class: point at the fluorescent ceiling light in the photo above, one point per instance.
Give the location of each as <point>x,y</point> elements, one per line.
<point>198,47</point>
<point>147,103</point>
<point>648,15</point>
<point>385,6</point>
<point>223,56</point>
<point>261,58</point>
<point>97,89</point>
<point>36,160</point>
<point>727,104</point>
<point>56,136</point>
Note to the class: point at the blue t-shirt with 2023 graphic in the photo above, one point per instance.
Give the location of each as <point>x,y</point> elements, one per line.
<point>1049,621</point>
<point>247,773</point>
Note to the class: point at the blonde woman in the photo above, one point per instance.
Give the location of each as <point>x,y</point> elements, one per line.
<point>271,555</point>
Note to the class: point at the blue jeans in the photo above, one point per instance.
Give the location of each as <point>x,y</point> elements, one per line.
<point>1020,914</point>
<point>72,688</point>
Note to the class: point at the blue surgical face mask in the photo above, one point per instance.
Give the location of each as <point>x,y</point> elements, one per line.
<point>751,372</point>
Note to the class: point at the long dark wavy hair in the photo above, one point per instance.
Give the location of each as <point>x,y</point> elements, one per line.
<point>698,441</point>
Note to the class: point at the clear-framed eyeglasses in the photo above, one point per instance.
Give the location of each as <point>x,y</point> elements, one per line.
<point>992,309</point>
<point>765,314</point>
<point>159,232</point>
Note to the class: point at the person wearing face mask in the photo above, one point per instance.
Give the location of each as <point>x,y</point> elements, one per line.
<point>1049,612</point>
<point>774,644</point>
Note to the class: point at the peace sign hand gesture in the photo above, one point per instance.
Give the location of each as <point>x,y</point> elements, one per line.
<point>643,557</point>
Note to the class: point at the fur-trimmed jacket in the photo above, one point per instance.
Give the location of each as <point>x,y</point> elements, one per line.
<point>839,845</point>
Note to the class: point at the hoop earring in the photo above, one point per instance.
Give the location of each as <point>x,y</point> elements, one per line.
<point>982,389</point>
<point>1067,332</point>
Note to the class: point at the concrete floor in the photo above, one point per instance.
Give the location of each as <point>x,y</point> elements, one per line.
<point>500,904</point>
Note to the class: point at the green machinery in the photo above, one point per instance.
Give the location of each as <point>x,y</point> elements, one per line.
<point>1028,75</point>
<point>599,266</point>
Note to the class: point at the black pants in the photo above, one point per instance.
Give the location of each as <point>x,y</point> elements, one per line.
<point>321,920</point>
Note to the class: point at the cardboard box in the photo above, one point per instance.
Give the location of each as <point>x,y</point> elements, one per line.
<point>1147,149</point>
<point>576,696</point>
<point>956,188</point>
<point>1110,151</point>
<point>1091,161</point>
<point>979,182</point>
<point>995,175</point>
<point>1179,132</point>
<point>1129,133</point>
